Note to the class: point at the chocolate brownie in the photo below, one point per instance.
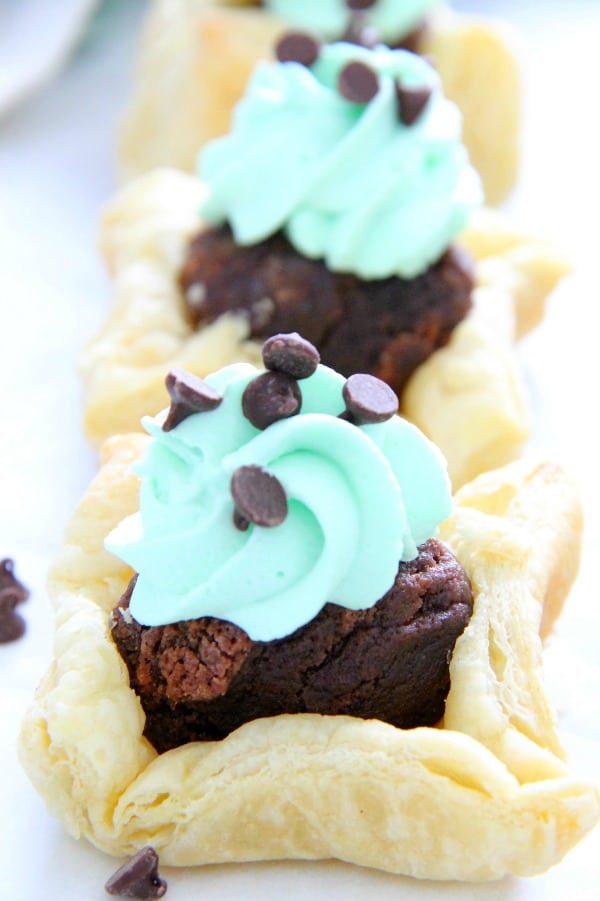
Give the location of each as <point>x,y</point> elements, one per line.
<point>201,679</point>
<point>385,327</point>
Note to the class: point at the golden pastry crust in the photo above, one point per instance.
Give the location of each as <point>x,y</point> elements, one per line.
<point>467,397</point>
<point>195,57</point>
<point>484,795</point>
<point>477,62</point>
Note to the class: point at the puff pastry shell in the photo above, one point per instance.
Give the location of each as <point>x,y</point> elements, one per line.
<point>467,397</point>
<point>195,58</point>
<point>486,794</point>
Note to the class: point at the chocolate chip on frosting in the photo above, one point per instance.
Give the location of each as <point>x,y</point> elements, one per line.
<point>360,4</point>
<point>138,877</point>
<point>270,397</point>
<point>368,399</point>
<point>189,394</point>
<point>357,82</point>
<point>297,47</point>
<point>259,497</point>
<point>12,592</point>
<point>411,102</point>
<point>291,354</point>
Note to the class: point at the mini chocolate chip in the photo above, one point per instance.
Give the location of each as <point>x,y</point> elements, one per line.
<point>12,592</point>
<point>9,580</point>
<point>411,102</point>
<point>259,496</point>
<point>12,624</point>
<point>368,399</point>
<point>297,47</point>
<point>291,354</point>
<point>269,397</point>
<point>357,82</point>
<point>240,522</point>
<point>360,4</point>
<point>189,394</point>
<point>360,32</point>
<point>138,877</point>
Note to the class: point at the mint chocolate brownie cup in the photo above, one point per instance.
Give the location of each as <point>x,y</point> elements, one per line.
<point>195,59</point>
<point>333,203</point>
<point>282,526</point>
<point>335,207</point>
<point>215,638</point>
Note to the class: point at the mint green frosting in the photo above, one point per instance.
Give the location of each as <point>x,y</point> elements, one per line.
<point>393,19</point>
<point>360,499</point>
<point>348,183</point>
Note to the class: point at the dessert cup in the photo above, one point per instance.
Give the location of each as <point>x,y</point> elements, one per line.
<point>195,57</point>
<point>468,397</point>
<point>332,208</point>
<point>491,775</point>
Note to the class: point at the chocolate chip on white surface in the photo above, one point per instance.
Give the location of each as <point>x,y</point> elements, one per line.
<point>189,394</point>
<point>368,399</point>
<point>270,397</point>
<point>12,593</point>
<point>259,497</point>
<point>291,354</point>
<point>138,877</point>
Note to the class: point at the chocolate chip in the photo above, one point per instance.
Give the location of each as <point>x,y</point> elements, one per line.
<point>12,624</point>
<point>138,877</point>
<point>9,580</point>
<point>368,399</point>
<point>297,47</point>
<point>189,394</point>
<point>360,4</point>
<point>12,592</point>
<point>291,354</point>
<point>270,397</point>
<point>360,32</point>
<point>240,522</point>
<point>411,102</point>
<point>357,82</point>
<point>259,497</point>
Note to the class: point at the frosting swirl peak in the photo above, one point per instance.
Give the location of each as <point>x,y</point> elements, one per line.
<point>359,499</point>
<point>349,183</point>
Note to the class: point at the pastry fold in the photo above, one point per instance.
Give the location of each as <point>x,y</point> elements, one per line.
<point>467,397</point>
<point>486,794</point>
<point>195,58</point>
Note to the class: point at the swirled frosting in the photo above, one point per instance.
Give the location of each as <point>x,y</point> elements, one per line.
<point>348,183</point>
<point>360,499</point>
<point>392,19</point>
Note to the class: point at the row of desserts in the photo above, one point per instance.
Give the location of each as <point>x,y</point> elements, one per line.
<point>266,495</point>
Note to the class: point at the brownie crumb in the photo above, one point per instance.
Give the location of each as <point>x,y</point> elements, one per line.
<point>199,680</point>
<point>384,327</point>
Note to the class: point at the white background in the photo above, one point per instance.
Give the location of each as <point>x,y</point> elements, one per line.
<point>56,170</point>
